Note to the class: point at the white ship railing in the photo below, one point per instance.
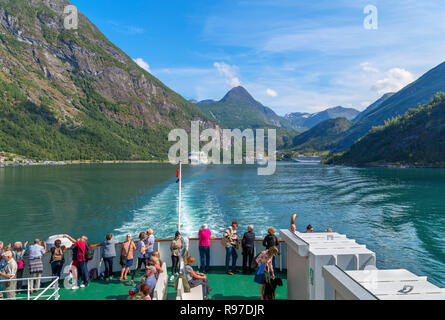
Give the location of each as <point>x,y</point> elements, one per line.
<point>51,291</point>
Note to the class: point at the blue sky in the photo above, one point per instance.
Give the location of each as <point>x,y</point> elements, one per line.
<point>291,55</point>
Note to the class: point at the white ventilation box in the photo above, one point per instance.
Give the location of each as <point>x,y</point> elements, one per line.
<point>308,253</point>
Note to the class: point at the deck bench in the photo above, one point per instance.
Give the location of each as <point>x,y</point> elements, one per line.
<point>160,291</point>
<point>194,294</point>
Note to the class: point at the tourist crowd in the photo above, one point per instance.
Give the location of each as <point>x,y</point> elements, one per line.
<point>12,262</point>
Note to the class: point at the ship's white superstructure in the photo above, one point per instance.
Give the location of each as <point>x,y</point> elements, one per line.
<point>307,159</point>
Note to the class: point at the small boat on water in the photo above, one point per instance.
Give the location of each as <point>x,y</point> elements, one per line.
<point>261,160</point>
<point>307,159</point>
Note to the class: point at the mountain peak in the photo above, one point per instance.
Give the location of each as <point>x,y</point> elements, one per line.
<point>239,95</point>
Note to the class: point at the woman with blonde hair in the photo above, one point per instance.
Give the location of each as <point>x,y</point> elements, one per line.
<point>157,255</point>
<point>157,263</point>
<point>149,244</point>
<point>265,267</point>
<point>195,279</point>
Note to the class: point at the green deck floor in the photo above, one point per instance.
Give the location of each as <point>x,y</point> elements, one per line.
<point>225,287</point>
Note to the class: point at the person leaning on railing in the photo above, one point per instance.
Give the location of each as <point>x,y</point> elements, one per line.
<point>108,254</point>
<point>9,272</point>
<point>80,246</point>
<point>36,252</point>
<point>204,247</point>
<point>248,246</point>
<point>140,249</point>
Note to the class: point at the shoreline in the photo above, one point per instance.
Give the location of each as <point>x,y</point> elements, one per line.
<point>388,166</point>
<point>80,162</point>
<point>77,162</point>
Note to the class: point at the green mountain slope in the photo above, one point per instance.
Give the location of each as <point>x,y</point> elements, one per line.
<point>321,137</point>
<point>417,138</point>
<point>420,91</point>
<point>372,107</point>
<point>72,94</point>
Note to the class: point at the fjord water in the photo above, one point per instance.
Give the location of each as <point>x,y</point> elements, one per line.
<point>398,213</point>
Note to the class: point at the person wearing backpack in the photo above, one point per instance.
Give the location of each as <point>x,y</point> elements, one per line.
<point>89,253</point>
<point>57,258</point>
<point>271,241</point>
<point>18,252</point>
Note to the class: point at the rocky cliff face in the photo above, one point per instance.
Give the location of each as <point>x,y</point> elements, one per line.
<point>82,78</point>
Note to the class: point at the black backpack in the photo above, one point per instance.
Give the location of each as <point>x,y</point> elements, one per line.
<point>75,249</point>
<point>269,241</point>
<point>254,264</point>
<point>89,253</point>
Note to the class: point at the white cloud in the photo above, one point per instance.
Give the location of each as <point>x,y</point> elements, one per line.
<point>366,66</point>
<point>141,63</point>
<point>271,93</point>
<point>395,79</point>
<point>230,73</point>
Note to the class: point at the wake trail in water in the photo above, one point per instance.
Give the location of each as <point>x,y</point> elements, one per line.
<point>161,210</point>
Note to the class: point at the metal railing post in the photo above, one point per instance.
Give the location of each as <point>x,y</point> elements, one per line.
<point>28,291</point>
<point>56,289</point>
<point>99,260</point>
